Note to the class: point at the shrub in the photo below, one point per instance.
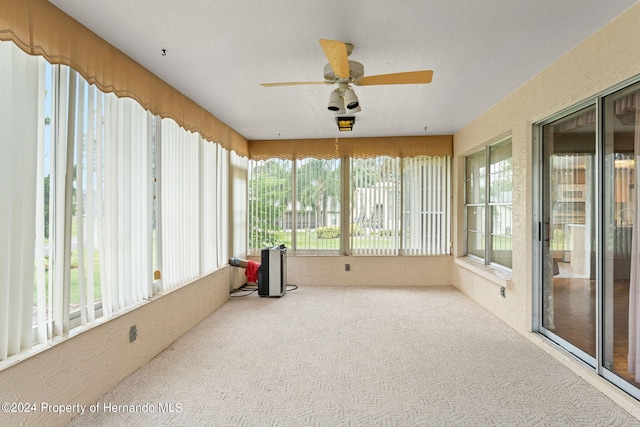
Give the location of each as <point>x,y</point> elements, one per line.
<point>356,230</point>
<point>327,232</point>
<point>264,238</point>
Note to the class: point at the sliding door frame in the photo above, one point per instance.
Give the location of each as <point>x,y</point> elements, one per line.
<point>539,235</point>
<point>541,232</point>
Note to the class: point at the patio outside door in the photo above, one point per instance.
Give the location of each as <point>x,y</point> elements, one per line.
<point>568,232</point>
<point>588,294</point>
<point>621,273</point>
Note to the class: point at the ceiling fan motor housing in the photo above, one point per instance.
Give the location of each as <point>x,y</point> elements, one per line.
<point>356,72</point>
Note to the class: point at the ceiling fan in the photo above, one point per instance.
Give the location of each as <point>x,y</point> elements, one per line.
<point>343,72</point>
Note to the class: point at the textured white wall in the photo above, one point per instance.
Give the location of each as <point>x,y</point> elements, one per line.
<point>79,370</point>
<point>607,58</point>
<point>370,271</point>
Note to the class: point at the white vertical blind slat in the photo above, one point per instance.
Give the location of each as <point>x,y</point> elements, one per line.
<point>28,188</point>
<point>79,178</point>
<point>122,248</point>
<point>18,173</point>
<point>41,296</point>
<point>90,211</point>
<point>60,249</point>
<point>7,122</point>
<point>180,205</point>
<point>101,111</point>
<point>147,153</point>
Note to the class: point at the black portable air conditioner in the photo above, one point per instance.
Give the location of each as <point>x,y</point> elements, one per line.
<point>272,273</point>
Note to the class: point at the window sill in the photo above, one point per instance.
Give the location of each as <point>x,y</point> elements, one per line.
<point>497,276</point>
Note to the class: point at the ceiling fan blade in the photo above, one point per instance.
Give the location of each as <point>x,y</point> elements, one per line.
<point>294,84</point>
<point>336,53</point>
<point>409,77</point>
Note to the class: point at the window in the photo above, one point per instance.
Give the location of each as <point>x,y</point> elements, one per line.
<point>21,121</point>
<point>269,203</point>
<point>194,197</point>
<point>426,205</point>
<point>316,212</point>
<point>375,206</point>
<point>396,206</point>
<point>97,189</point>
<point>488,178</point>
<point>306,216</point>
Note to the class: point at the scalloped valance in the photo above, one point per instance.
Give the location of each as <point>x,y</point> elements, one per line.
<point>39,28</point>
<point>397,146</point>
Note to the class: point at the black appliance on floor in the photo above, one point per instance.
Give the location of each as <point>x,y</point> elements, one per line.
<point>272,273</point>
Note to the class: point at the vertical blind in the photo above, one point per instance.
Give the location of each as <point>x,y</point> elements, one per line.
<point>180,216</point>
<point>127,204</point>
<point>315,213</point>
<point>208,211</point>
<point>81,232</point>
<point>19,115</point>
<point>375,206</point>
<point>195,200</point>
<point>99,204</point>
<point>222,204</point>
<point>214,202</point>
<point>395,206</point>
<point>269,203</point>
<point>426,205</point>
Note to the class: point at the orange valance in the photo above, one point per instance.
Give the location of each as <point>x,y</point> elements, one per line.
<point>40,28</point>
<point>397,146</point>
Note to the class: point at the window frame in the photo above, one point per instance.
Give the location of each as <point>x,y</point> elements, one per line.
<point>65,123</point>
<point>487,204</point>
<point>439,180</point>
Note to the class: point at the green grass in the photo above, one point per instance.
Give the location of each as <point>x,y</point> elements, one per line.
<point>74,279</point>
<point>307,240</point>
<point>74,274</point>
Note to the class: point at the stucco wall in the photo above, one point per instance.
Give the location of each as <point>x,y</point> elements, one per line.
<point>607,58</point>
<point>80,369</point>
<point>370,271</point>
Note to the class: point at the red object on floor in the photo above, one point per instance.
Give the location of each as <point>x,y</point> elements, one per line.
<point>252,271</point>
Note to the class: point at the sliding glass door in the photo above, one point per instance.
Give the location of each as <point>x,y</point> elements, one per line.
<point>568,230</point>
<point>588,275</point>
<point>621,318</point>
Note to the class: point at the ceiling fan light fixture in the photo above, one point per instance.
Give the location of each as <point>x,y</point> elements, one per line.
<point>345,123</point>
<point>336,102</point>
<point>350,99</point>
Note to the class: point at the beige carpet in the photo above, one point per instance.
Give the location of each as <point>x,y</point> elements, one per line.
<point>332,356</point>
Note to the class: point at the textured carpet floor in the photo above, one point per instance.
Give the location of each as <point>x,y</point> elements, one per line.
<point>332,356</point>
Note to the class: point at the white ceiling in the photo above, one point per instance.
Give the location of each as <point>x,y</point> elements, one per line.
<point>219,51</point>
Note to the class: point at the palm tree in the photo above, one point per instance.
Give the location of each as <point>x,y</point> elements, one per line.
<point>317,184</point>
<point>269,196</point>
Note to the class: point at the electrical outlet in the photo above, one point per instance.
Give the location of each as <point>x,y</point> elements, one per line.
<point>347,267</point>
<point>133,333</point>
<point>502,290</point>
